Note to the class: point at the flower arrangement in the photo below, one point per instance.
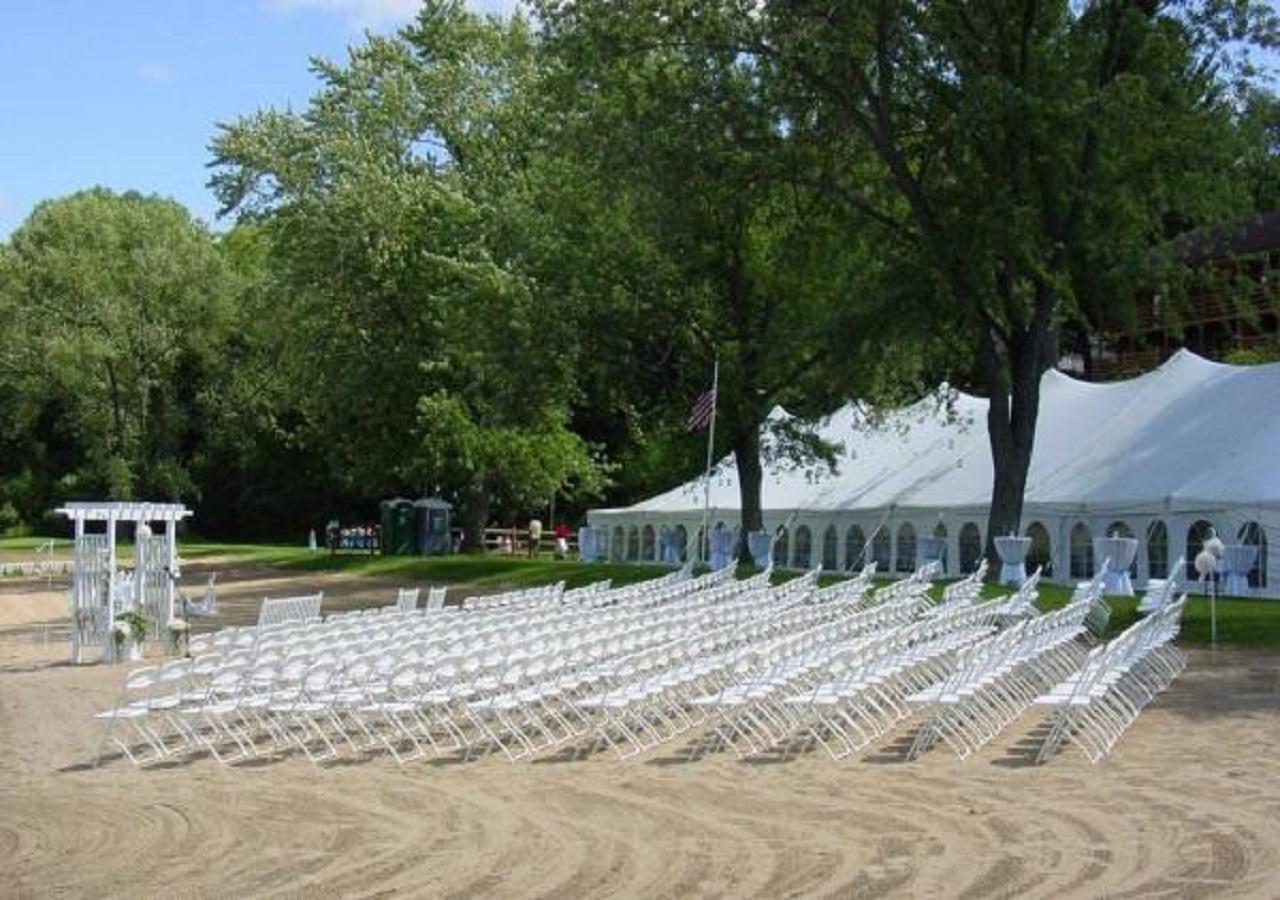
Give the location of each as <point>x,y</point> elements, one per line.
<point>131,624</point>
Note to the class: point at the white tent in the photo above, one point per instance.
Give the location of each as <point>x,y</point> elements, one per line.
<point>1158,457</point>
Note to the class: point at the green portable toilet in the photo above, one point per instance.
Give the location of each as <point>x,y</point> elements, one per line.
<point>433,525</point>
<point>398,538</point>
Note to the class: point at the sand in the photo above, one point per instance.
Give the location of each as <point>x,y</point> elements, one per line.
<point>1188,806</point>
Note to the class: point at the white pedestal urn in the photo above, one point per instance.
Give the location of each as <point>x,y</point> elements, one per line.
<point>1121,551</point>
<point>1236,562</point>
<point>1012,551</point>
<point>121,647</point>
<point>179,634</point>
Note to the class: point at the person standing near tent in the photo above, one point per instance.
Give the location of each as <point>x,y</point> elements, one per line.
<point>535,536</point>
<point>562,540</point>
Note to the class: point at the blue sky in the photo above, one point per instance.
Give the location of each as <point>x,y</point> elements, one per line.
<point>126,93</point>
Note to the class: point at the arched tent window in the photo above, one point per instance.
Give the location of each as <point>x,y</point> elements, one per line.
<point>855,543</point>
<point>1158,550</point>
<point>618,546</point>
<point>970,547</point>
<point>782,549</point>
<point>1197,534</point>
<point>830,548</point>
<point>682,543</point>
<point>804,548</point>
<point>633,543</point>
<point>1122,529</point>
<point>881,549</point>
<point>1253,533</point>
<point>906,547</point>
<point>699,550</point>
<point>1040,553</point>
<point>1081,551</point>
<point>646,543</point>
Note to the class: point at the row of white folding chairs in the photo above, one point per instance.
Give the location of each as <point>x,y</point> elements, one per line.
<point>641,707</point>
<point>405,606</point>
<point>218,712</point>
<point>334,709</point>
<point>546,594</point>
<point>915,585</point>
<point>1096,705</point>
<point>277,642</point>
<point>967,590</point>
<point>853,691</point>
<point>650,702</point>
<point>245,641</point>
<point>997,679</point>
<point>1167,592</point>
<point>354,637</point>
<point>848,589</point>
<point>406,603</point>
<point>523,720</point>
<point>651,592</point>
<point>1092,593</point>
<point>228,697</point>
<point>1022,602</point>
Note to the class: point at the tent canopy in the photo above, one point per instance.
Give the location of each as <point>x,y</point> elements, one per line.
<point>1192,434</point>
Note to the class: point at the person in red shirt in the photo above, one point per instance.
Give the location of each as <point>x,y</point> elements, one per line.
<point>562,533</point>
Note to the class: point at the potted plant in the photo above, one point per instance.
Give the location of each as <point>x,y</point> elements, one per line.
<point>129,632</point>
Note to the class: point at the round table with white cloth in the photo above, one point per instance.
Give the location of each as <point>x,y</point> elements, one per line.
<point>760,543</point>
<point>1121,551</point>
<point>1237,560</point>
<point>1013,554</point>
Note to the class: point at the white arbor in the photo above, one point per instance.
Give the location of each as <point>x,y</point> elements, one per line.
<point>100,588</point>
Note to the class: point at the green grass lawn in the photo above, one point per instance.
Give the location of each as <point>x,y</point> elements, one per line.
<point>30,543</point>
<point>488,571</point>
<point>1243,622</point>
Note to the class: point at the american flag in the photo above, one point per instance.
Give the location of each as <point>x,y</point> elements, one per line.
<point>703,409</point>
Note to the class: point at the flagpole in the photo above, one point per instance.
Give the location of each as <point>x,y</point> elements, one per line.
<point>711,442</point>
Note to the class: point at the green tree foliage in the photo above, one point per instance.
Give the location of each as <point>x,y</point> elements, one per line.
<point>420,345</point>
<point>1024,158</point>
<point>761,272</point>
<point>116,309</point>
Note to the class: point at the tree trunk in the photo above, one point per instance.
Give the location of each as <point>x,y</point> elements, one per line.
<point>476,500</point>
<point>746,453</point>
<point>1011,417</point>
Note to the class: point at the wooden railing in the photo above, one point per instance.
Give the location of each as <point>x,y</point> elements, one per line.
<point>515,541</point>
<point>1205,307</point>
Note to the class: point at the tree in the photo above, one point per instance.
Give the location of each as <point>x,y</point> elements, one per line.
<point>1029,156</point>
<point>421,341</point>
<point>118,307</point>
<point>701,158</point>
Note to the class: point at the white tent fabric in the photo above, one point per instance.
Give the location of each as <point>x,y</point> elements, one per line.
<point>1192,441</point>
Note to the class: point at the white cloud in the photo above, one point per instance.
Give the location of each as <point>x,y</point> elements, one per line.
<point>360,13</point>
<point>377,13</point>
<point>155,72</point>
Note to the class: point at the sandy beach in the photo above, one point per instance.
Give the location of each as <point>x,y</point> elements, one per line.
<point>1186,807</point>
